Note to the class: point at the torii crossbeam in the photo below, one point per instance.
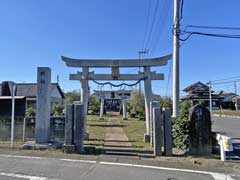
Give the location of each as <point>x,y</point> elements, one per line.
<point>101,63</point>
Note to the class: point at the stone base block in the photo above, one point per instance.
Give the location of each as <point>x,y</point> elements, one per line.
<point>68,149</point>
<point>125,118</point>
<point>86,136</point>
<point>101,118</point>
<point>146,138</point>
<point>32,145</point>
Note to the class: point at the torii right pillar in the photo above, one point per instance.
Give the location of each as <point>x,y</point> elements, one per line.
<point>148,99</point>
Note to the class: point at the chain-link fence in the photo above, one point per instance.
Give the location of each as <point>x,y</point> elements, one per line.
<point>24,129</point>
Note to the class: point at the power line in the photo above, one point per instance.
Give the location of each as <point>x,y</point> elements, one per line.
<point>152,25</point>
<point>234,77</point>
<point>161,23</point>
<point>213,27</point>
<point>181,10</point>
<point>147,23</point>
<point>226,82</point>
<point>190,33</point>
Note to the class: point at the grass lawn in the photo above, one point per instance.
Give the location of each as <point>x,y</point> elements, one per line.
<point>227,112</point>
<point>96,131</point>
<point>135,130</point>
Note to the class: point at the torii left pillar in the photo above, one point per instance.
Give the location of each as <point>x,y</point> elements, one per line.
<point>148,99</point>
<point>84,98</point>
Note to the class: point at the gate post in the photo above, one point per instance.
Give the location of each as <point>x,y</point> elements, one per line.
<point>158,132</point>
<point>69,125</point>
<point>153,104</point>
<point>79,127</point>
<point>167,126</point>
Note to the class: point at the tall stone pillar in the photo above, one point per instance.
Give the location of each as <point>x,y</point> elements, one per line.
<point>84,95</point>
<point>124,109</point>
<point>101,109</point>
<point>148,99</point>
<point>42,126</point>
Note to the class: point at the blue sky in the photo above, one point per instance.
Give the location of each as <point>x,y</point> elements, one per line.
<point>37,33</point>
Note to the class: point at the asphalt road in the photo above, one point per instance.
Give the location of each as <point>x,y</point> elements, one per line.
<point>19,168</point>
<point>226,126</point>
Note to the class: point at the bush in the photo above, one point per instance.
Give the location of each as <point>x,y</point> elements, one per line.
<point>93,105</point>
<point>181,127</point>
<point>57,110</point>
<point>30,112</point>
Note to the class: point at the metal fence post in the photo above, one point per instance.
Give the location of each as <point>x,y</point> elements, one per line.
<point>24,129</point>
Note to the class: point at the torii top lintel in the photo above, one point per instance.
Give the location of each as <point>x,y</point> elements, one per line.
<point>103,63</point>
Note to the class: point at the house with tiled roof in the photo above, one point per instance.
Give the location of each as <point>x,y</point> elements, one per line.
<point>25,97</point>
<point>199,92</point>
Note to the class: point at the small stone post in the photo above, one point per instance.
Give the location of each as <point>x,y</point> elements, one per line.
<point>69,125</point>
<point>79,127</point>
<point>69,146</point>
<point>167,126</point>
<point>158,132</point>
<point>101,109</point>
<point>42,127</point>
<point>124,109</point>
<point>153,104</point>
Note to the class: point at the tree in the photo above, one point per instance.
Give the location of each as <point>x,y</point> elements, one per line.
<point>164,102</point>
<point>181,127</point>
<point>94,105</point>
<point>56,110</point>
<point>137,104</point>
<point>71,97</point>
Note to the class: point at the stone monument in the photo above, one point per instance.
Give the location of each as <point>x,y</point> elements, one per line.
<point>42,127</point>
<point>200,133</point>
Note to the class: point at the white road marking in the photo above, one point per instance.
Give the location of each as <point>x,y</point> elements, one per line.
<point>216,176</point>
<point>24,176</point>
<point>76,160</point>
<point>16,156</point>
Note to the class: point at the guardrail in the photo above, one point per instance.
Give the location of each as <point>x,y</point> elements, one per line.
<point>229,147</point>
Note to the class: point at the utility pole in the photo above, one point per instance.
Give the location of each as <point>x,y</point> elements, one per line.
<point>176,58</point>
<point>235,89</point>
<point>210,96</point>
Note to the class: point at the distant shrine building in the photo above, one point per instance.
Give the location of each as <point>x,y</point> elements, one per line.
<point>112,99</point>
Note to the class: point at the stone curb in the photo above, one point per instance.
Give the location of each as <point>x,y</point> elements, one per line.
<point>227,116</point>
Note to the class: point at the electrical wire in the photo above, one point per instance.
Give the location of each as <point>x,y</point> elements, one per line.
<point>147,23</point>
<point>213,27</point>
<point>152,25</point>
<point>190,33</point>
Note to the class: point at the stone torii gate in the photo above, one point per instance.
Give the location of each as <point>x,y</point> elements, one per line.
<point>147,76</point>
